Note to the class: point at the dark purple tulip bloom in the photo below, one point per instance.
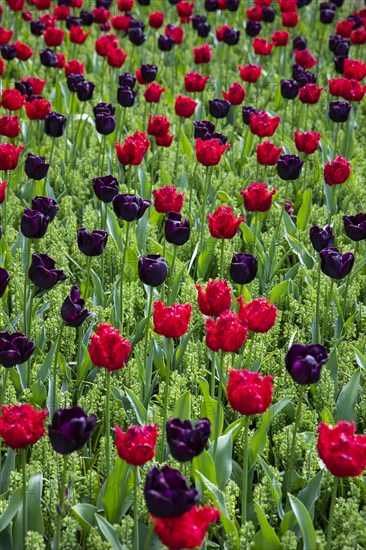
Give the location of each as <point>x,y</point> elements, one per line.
<point>177,231</point>
<point>104,3</point>
<point>211,5</point>
<point>73,21</point>
<point>334,264</point>
<point>197,20</point>
<point>84,90</point>
<point>8,52</point>
<point>339,63</point>
<point>35,167</point>
<point>70,429</point>
<point>92,243</point>
<point>299,43</point>
<point>149,72</point>
<point>105,188</point>
<point>15,349</point>
<point>356,20</point>
<point>37,27</point>
<point>87,18</point>
<point>289,167</point>
<point>4,280</point>
<point>306,78</point>
<point>297,71</point>
<point>47,206</point>
<point>152,269</point>
<point>72,309</point>
<point>304,363</point>
<point>127,80</point>
<point>339,111</point>
<point>218,108</point>
<point>48,58</point>
<point>289,207</point>
<point>43,274</point>
<point>187,441</point>
<point>321,238</point>
<point>54,124</point>
<point>289,89</point>
<point>327,12</point>
<point>243,268</point>
<point>338,45</point>
<point>165,43</point>
<point>136,36</point>
<point>167,494</point>
<point>130,207</point>
<point>268,15</point>
<point>126,96</point>
<point>202,127</point>
<point>246,112</point>
<point>231,37</point>
<point>136,24</point>
<point>302,3</point>
<point>355,227</point>
<point>25,88</point>
<point>103,108</point>
<point>232,5</point>
<point>105,122</point>
<point>216,135</point>
<point>203,30</point>
<point>34,224</point>
<point>253,28</point>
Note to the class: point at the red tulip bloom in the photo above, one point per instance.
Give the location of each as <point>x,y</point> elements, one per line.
<point>345,28</point>
<point>354,69</point>
<point>220,32</point>
<point>176,33</point>
<point>133,150</point>
<point>108,349</point>
<point>24,52</point>
<point>53,37</point>
<point>305,59</point>
<point>61,13</point>
<point>185,106</point>
<point>156,19</point>
<point>9,156</point>
<point>167,199</point>
<point>267,153</point>
<point>12,100</point>
<point>290,19</point>
<point>250,73</point>
<point>15,5</point>
<point>164,141</point>
<point>210,151</point>
<point>101,15</point>
<point>223,224</point>
<point>137,445</point>
<point>104,43</point>
<point>262,125</point>
<point>37,109</point>
<point>61,61</point>
<point>254,14</point>
<point>2,66</point>
<point>227,333</point>
<point>262,47</point>
<point>9,126</point>
<point>158,126</point>
<point>153,92</point>
<point>125,5</point>
<point>21,425</point>
<point>235,95</point>
<point>74,66</point>
<point>358,36</point>
<point>259,314</point>
<point>187,530</point>
<point>310,93</point>
<point>256,197</point>
<point>337,171</point>
<point>116,57</point>
<point>185,10</point>
<point>263,3</point>
<point>26,16</point>
<point>280,38</point>
<point>3,186</point>
<point>5,36</point>
<point>195,82</point>
<point>78,35</point>
<point>171,321</point>
<point>349,89</point>
<point>215,300</point>
<point>342,451</point>
<point>121,22</point>
<point>37,84</point>
<point>307,142</point>
<point>202,54</point>
<point>249,392</point>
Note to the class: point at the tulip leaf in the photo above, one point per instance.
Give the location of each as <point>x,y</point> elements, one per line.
<point>85,515</point>
<point>247,233</point>
<point>109,533</point>
<point>205,258</point>
<point>274,486</point>
<point>299,249</point>
<point>304,520</point>
<point>14,505</point>
<point>304,213</point>
<point>204,463</point>
<point>347,399</point>
<point>266,537</point>
<point>182,409</point>
<point>209,407</point>
<point>140,411</point>
<point>185,144</point>
<point>47,363</point>
<point>278,292</point>
<point>7,467</point>
<point>118,488</point>
<point>223,461</point>
<point>34,510</point>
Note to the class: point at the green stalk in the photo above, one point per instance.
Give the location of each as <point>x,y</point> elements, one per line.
<point>23,453</point>
<point>107,427</point>
<point>331,513</point>
<point>169,355</point>
<point>293,443</point>
<point>122,272</point>
<point>219,398</point>
<point>149,309</point>
<point>177,151</point>
<point>244,487</point>
<point>61,497</point>
<point>347,285</point>
<point>3,387</point>
<point>317,317</point>
<point>55,364</point>
<point>327,307</point>
<point>150,534</point>
<point>135,509</point>
<point>203,207</point>
<point>171,274</point>
<point>222,258</point>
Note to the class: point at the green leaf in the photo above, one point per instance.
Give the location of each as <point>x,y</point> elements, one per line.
<point>7,467</point>
<point>347,399</point>
<point>304,520</point>
<point>247,233</point>
<point>109,532</point>
<point>310,494</point>
<point>47,363</point>
<point>116,497</point>
<point>304,214</point>
<point>206,256</point>
<point>266,537</point>
<point>223,461</point>
<point>299,249</point>
<point>204,463</point>
<point>278,292</point>
<point>85,515</point>
<point>34,509</point>
<point>274,486</point>
<point>209,407</point>
<point>185,144</point>
<point>14,505</point>
<point>140,411</point>
<point>182,409</point>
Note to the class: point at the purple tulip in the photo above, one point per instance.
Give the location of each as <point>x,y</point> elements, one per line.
<point>187,441</point>
<point>130,207</point>
<point>299,43</point>
<point>177,231</point>
<point>334,264</point>
<point>289,89</point>
<point>339,111</point>
<point>48,57</point>
<point>45,205</point>
<point>243,268</point>
<point>35,167</point>
<point>54,124</point>
<point>34,224</point>
<point>73,81</point>
<point>253,28</point>
<point>105,188</point>
<point>149,72</point>
<point>126,96</point>
<point>4,281</point>
<point>84,90</point>
<point>43,274</point>
<point>231,37</point>
<point>152,269</point>
<point>268,14</point>
<point>304,363</point>
<point>202,127</point>
<point>165,43</point>
<point>70,429</point>
<point>355,227</point>
<point>127,80</point>
<point>321,238</point>
<point>92,243</point>
<point>218,108</point>
<point>15,349</point>
<point>289,167</point>
<point>72,309</point>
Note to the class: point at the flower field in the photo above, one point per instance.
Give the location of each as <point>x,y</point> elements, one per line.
<point>182,245</point>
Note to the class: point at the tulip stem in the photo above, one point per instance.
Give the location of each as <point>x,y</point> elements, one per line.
<point>79,124</point>
<point>61,496</point>
<point>169,357</point>
<point>203,207</point>
<point>244,487</point>
<point>347,286</point>
<point>331,513</point>
<point>247,363</point>
<point>87,281</point>
<point>107,427</point>
<point>336,141</point>
<point>122,272</point>
<point>284,119</point>
<point>317,316</point>
<point>327,307</point>
<point>218,409</point>
<point>53,404</point>
<point>135,508</point>
<point>293,443</point>
<point>149,309</point>
<point>177,151</point>
<point>222,258</point>
<point>23,453</point>
<point>3,387</point>
<point>171,275</point>
<point>150,534</point>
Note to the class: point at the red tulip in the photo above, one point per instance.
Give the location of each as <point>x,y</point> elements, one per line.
<point>12,100</point>
<point>227,333</point>
<point>171,321</point>
<point>37,109</point>
<point>116,57</point>
<point>310,93</point>
<point>3,186</point>
<point>215,300</point>
<point>53,37</point>
<point>307,142</point>
<point>185,10</point>
<point>354,69</point>
<point>185,106</point>
<point>105,42</point>
<point>176,33</point>
<point>250,73</point>
<point>77,35</point>
<point>350,90</point>
<point>137,445</point>
<point>223,224</point>
<point>254,14</point>
<point>342,451</point>
<point>305,59</point>
<point>167,199</point>
<point>280,38</point>
<point>195,82</point>
<point>108,349</point>
<point>133,150</point>
<point>210,151</point>
<point>37,84</point>
<point>153,92</point>
<point>164,141</point>
<point>21,425</point>
<point>337,171</point>
<point>220,32</point>
<point>267,153</point>
<point>9,156</point>
<point>158,126</point>
<point>121,22</point>
<point>5,36</point>
<point>262,125</point>
<point>290,19</point>
<point>344,28</point>
<point>358,36</point>
<point>256,197</point>
<point>259,314</point>
<point>235,95</point>
<point>156,19</point>
<point>24,52</point>
<point>202,54</point>
<point>249,392</point>
<point>262,47</point>
<point>9,126</point>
